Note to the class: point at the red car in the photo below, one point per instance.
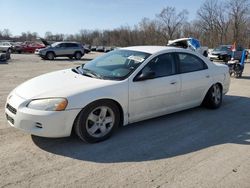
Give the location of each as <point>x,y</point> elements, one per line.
<point>28,46</point>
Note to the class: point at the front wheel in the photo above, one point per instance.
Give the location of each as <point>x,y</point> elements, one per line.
<point>97,121</point>
<point>78,55</point>
<point>50,56</point>
<point>213,98</point>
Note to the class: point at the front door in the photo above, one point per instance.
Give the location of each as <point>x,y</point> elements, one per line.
<point>157,95</point>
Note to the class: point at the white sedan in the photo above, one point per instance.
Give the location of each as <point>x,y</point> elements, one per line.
<point>121,87</point>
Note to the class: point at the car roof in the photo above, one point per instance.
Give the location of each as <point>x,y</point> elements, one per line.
<point>66,42</point>
<point>148,49</point>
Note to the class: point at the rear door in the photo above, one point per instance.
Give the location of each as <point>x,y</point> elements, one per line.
<point>60,49</point>
<point>70,49</point>
<point>195,79</point>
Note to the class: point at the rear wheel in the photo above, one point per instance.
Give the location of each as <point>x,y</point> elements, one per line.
<point>97,121</point>
<point>50,56</point>
<point>213,98</point>
<point>78,55</point>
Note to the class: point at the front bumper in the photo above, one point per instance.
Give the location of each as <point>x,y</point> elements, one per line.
<point>40,53</point>
<point>213,57</point>
<point>37,122</point>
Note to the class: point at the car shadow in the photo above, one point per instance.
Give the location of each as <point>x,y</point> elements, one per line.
<point>244,77</point>
<point>3,62</point>
<point>164,137</point>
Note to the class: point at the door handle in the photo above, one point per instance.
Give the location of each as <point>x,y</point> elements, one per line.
<point>173,82</point>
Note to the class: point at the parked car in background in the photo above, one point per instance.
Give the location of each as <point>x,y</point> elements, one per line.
<point>31,47</point>
<point>189,43</point>
<point>100,48</point>
<point>121,87</point>
<point>108,49</point>
<point>27,47</point>
<point>225,52</point>
<point>93,48</point>
<point>87,48</point>
<point>17,47</point>
<point>6,47</point>
<point>62,49</point>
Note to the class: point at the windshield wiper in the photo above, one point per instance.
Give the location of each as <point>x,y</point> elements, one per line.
<point>91,73</point>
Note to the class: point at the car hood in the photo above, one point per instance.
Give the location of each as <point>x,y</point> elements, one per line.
<point>45,48</point>
<point>62,83</point>
<point>46,43</point>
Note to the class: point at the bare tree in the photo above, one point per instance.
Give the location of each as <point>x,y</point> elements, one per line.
<point>207,18</point>
<point>222,22</point>
<point>239,13</point>
<point>6,34</point>
<point>171,21</point>
<point>48,35</point>
<point>151,32</point>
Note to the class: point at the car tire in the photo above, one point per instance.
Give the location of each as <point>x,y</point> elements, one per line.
<point>205,53</point>
<point>227,58</point>
<point>213,98</point>
<point>97,121</point>
<point>50,56</point>
<point>78,55</point>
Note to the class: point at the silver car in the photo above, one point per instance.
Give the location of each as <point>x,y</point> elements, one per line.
<point>61,49</point>
<point>6,47</point>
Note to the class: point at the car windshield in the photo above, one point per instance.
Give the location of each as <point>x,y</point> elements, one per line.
<point>115,65</point>
<point>222,48</point>
<point>55,44</point>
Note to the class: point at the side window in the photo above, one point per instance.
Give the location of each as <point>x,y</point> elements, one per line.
<point>70,45</point>
<point>61,45</point>
<point>75,45</point>
<point>162,65</point>
<point>67,45</point>
<point>190,63</point>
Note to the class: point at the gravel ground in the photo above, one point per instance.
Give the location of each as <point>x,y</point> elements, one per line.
<point>192,148</point>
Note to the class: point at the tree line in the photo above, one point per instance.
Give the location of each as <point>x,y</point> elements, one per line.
<point>217,22</point>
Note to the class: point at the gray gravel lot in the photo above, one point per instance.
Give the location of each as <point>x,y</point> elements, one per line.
<point>192,148</point>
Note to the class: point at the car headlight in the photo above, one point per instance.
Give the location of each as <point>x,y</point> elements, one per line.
<point>49,104</point>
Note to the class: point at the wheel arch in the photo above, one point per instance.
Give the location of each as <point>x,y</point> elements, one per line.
<point>121,111</point>
<point>204,96</point>
<point>50,51</point>
<point>78,51</point>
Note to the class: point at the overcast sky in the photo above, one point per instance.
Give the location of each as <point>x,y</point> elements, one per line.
<point>70,16</point>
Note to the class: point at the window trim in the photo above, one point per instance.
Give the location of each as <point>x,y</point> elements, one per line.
<point>175,64</point>
<point>205,66</point>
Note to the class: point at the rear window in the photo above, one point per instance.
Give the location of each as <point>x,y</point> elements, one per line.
<point>190,63</point>
<point>71,45</point>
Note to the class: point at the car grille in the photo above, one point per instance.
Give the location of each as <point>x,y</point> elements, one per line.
<point>10,119</point>
<point>11,109</point>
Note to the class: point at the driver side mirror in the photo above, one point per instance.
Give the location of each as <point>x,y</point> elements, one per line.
<point>145,76</point>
